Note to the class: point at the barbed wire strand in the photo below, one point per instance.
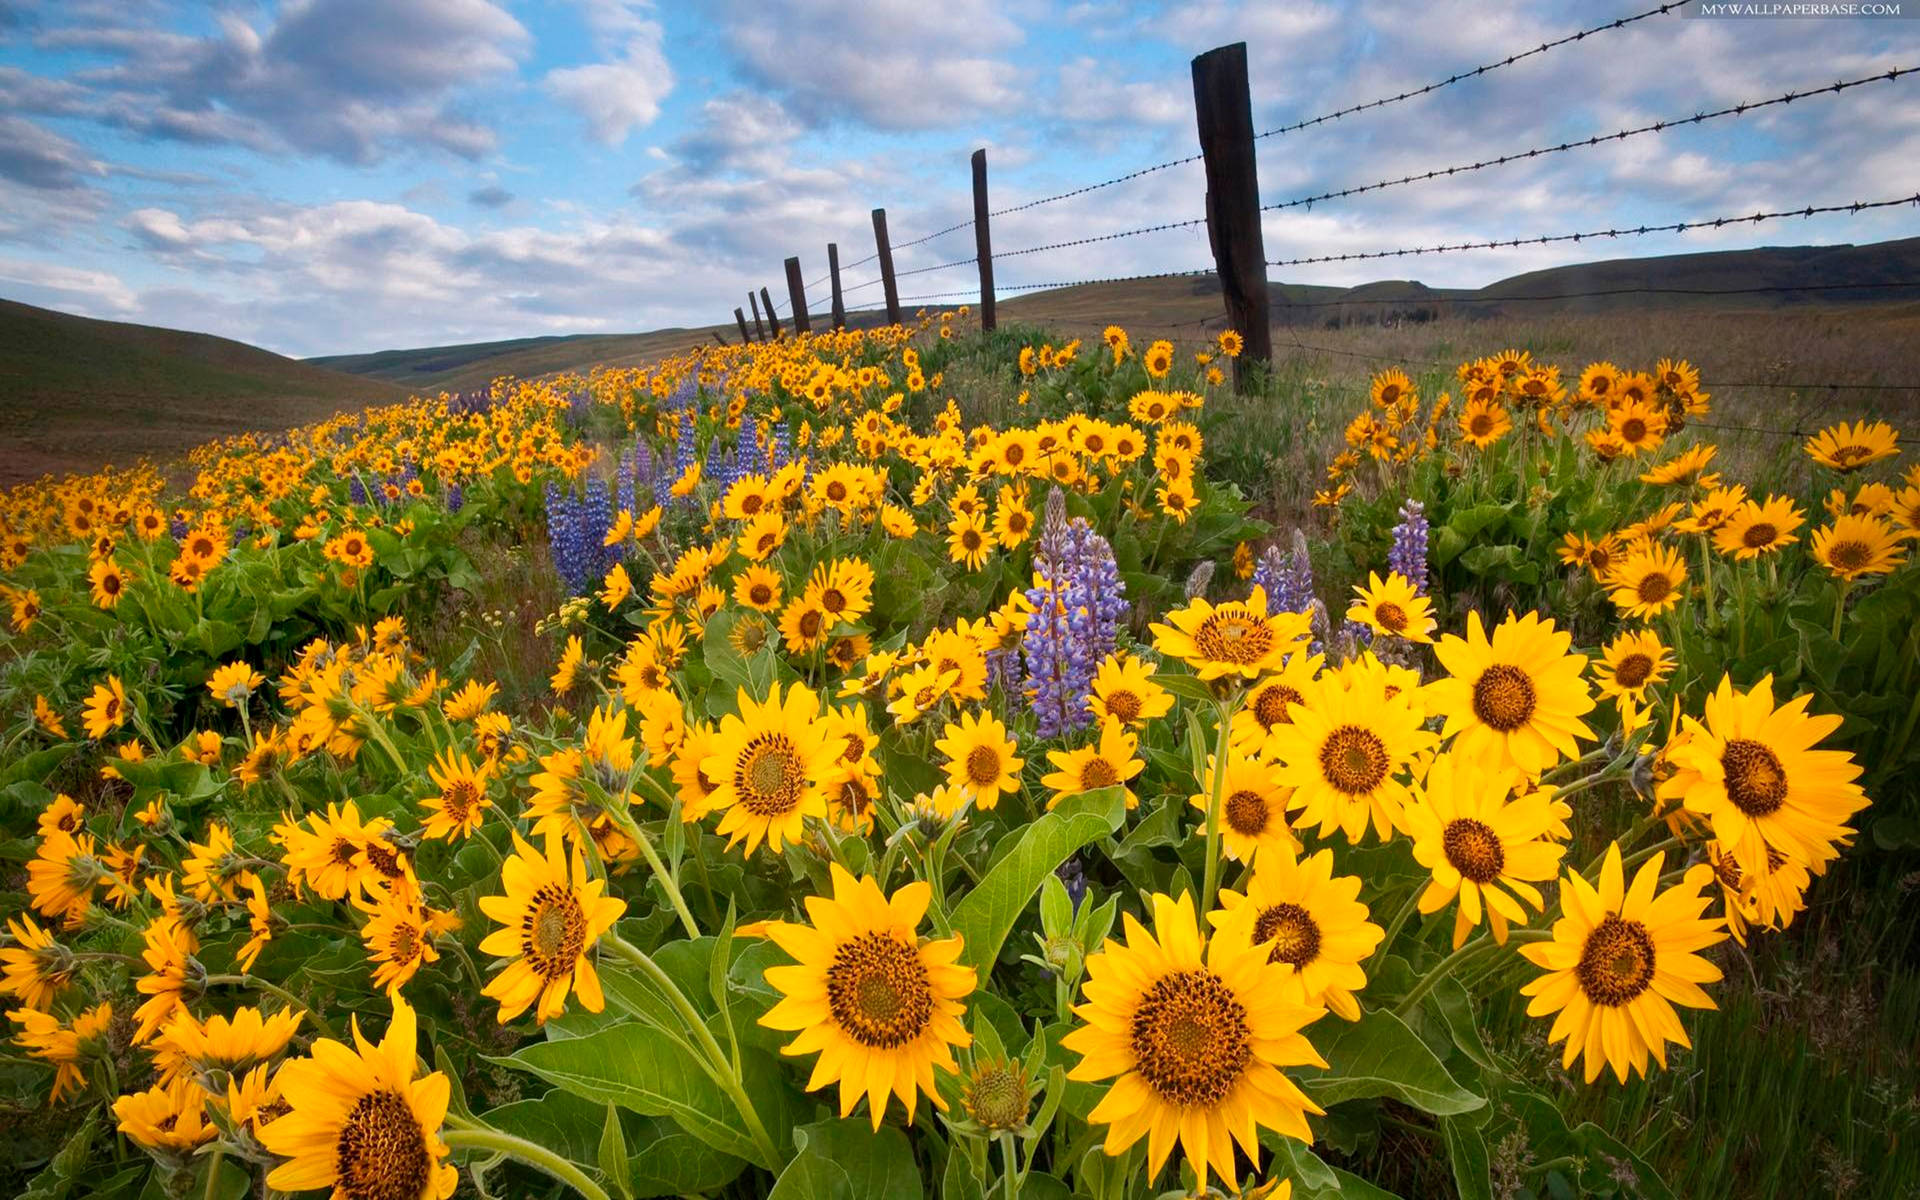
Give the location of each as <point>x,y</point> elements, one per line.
<point>1596,140</point>
<point>1463,76</point>
<point>1635,231</point>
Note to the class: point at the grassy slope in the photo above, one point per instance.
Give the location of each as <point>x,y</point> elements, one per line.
<point>76,392</point>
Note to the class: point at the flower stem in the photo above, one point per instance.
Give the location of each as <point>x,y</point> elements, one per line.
<point>1433,977</point>
<point>1400,918</point>
<point>721,1066</point>
<point>460,1136</point>
<point>1216,794</point>
<point>1840,606</point>
<point>1010,1159</point>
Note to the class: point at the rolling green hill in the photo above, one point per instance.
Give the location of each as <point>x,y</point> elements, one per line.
<point>76,392</point>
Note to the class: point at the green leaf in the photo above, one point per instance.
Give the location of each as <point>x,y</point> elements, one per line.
<point>987,914</point>
<point>1379,1056</point>
<point>613,1152</point>
<point>1189,687</point>
<point>1297,1161</point>
<point>1450,999</point>
<point>847,1160</point>
<point>1467,1152</point>
<point>1647,1183</point>
<point>1469,522</point>
<point>641,1068</point>
<point>668,1162</point>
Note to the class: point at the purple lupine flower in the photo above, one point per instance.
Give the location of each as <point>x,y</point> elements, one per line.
<point>1079,602</point>
<point>1409,553</point>
<point>1287,578</point>
<point>576,534</point>
<point>1074,876</point>
<point>356,491</point>
<point>456,498</point>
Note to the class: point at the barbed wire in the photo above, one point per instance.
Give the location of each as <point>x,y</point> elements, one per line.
<point>1439,298</point>
<point>1103,237</point>
<point>1635,231</point>
<point>1094,187</point>
<point>1596,140</point>
<point>1040,287</point>
<point>1463,76</point>
<point>936,233</point>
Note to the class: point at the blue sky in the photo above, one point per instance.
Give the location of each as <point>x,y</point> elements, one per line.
<point>329,176</point>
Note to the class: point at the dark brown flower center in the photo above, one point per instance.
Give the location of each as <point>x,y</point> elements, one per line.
<point>1233,637</point>
<point>1474,849</point>
<point>1391,616</point>
<point>382,1151</point>
<point>553,931</point>
<point>1756,781</point>
<point>983,766</point>
<point>1503,697</point>
<point>1759,535</point>
<point>878,991</point>
<point>1190,1038</point>
<point>1654,587</point>
<point>1098,773</point>
<point>1292,930</point>
<point>1633,670</point>
<point>1271,704</point>
<point>1617,963</point>
<point>1849,555</point>
<point>1247,812</point>
<point>1354,760</point>
<point>769,776</point>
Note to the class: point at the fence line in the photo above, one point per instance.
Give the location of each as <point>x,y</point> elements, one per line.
<point>1233,217</point>
<point>1732,110</point>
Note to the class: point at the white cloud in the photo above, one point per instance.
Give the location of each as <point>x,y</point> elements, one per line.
<point>72,288</point>
<point>625,92</point>
<point>893,64</point>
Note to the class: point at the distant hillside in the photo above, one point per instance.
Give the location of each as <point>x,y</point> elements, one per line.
<point>476,364</point>
<point>1798,275</point>
<point>76,392</point>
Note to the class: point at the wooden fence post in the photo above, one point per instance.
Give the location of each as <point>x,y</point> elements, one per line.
<point>886,265</point>
<point>759,330</point>
<point>833,269</point>
<point>773,318</point>
<point>1224,110</point>
<point>797,294</point>
<point>740,319</point>
<point>982,244</point>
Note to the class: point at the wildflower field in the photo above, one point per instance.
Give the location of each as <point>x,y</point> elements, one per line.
<point>912,762</point>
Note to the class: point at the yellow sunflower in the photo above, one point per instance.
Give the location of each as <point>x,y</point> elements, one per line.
<point>360,1123</point>
<point>969,541</point>
<point>1194,1034</point>
<point>1638,425</point>
<point>1517,697</point>
<point>1253,808</point>
<point>1391,606</point>
<point>106,708</point>
<point>1630,664</point>
<point>769,764</point>
<point>1237,638</point>
<point>1759,528</point>
<point>34,967</point>
<point>1124,691</point>
<point>1845,447</point>
<point>567,672</point>
<point>1271,703</point>
<point>1108,762</point>
<point>1751,769</point>
<point>171,1116</point>
<point>1648,581</point>
<point>758,588</point>
<point>1483,846</point>
<point>551,916</point>
<point>1620,959</point>
<point>880,1007</point>
<point>1484,422</point>
<point>1310,919</point>
<point>462,803</point>
<point>108,580</point>
<point>981,759</point>
<point>1343,753</point>
<point>1854,546</point>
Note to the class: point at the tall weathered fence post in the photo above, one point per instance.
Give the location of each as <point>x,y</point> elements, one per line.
<point>759,330</point>
<point>740,319</point>
<point>1224,111</point>
<point>885,249</point>
<point>982,244</point>
<point>833,269</point>
<point>797,294</point>
<point>773,318</point>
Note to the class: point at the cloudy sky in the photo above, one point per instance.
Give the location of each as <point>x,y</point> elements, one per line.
<point>329,176</point>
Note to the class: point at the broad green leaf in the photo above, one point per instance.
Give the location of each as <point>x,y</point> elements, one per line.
<point>1450,999</point>
<point>1190,687</point>
<point>1467,1153</point>
<point>665,1160</point>
<point>613,1152</point>
<point>847,1160</point>
<point>1379,1056</point>
<point>638,1067</point>
<point>1297,1161</point>
<point>1647,1182</point>
<point>987,914</point>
